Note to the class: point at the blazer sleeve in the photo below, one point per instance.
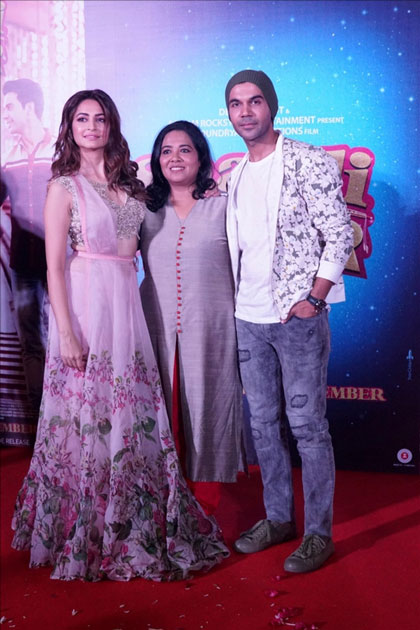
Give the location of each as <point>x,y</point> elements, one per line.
<point>320,184</point>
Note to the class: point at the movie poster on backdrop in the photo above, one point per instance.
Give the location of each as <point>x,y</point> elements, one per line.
<point>346,78</point>
<point>42,64</point>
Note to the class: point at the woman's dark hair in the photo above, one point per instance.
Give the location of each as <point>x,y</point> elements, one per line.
<point>158,190</point>
<point>120,171</point>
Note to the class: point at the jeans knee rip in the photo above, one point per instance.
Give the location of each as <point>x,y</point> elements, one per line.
<point>299,401</point>
<point>244,355</point>
<point>312,435</point>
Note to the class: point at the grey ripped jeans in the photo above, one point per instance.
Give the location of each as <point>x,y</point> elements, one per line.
<point>284,373</point>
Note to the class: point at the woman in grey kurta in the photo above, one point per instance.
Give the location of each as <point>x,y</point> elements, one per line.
<point>187,296</point>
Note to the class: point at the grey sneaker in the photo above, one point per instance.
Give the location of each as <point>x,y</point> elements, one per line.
<point>264,534</point>
<point>311,554</point>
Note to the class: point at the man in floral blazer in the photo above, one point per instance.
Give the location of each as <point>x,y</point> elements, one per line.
<point>290,237</point>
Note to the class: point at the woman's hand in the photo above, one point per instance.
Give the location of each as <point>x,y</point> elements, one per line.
<point>212,192</point>
<point>71,352</point>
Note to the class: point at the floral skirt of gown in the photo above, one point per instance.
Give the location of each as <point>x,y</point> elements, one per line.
<point>104,495</point>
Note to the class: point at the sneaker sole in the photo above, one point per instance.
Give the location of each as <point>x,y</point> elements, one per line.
<point>280,542</point>
<point>298,569</point>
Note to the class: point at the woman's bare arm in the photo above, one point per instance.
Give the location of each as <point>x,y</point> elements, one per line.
<point>57,222</point>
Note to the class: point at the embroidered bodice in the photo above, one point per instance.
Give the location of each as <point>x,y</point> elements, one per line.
<point>128,216</point>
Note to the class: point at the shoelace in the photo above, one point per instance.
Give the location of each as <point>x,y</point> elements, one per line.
<point>258,533</point>
<point>311,545</point>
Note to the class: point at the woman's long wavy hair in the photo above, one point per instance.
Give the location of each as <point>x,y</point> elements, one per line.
<point>120,171</point>
<point>158,191</point>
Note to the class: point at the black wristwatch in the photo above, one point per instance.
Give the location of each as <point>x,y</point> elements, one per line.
<point>317,303</point>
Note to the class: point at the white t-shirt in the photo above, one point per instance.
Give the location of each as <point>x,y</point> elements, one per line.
<point>254,302</point>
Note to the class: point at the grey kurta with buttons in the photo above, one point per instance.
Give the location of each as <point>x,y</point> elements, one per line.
<point>188,293</point>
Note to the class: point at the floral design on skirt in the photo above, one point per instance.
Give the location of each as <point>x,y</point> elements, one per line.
<point>104,495</point>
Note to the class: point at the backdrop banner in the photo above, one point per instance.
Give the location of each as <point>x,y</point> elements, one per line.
<point>347,78</point>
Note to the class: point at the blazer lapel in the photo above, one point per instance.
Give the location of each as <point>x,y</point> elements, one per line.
<point>275,185</point>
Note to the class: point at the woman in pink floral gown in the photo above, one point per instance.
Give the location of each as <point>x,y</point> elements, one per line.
<point>104,495</point>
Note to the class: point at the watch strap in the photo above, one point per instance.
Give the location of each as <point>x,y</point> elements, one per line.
<point>318,303</point>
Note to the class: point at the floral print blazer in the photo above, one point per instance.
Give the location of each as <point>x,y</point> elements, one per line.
<point>311,232</point>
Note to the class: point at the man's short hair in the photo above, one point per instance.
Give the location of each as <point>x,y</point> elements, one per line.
<point>27,91</point>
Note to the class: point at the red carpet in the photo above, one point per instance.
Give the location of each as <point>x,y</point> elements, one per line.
<point>371,583</point>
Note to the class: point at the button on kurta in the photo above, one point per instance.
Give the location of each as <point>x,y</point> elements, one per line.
<point>179,280</point>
